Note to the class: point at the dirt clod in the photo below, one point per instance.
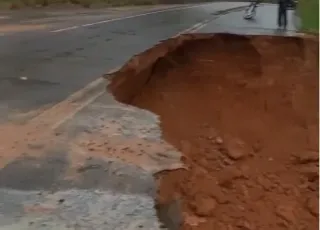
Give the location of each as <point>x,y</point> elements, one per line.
<point>243,110</point>
<point>245,225</point>
<point>236,149</point>
<point>286,213</point>
<point>307,157</point>
<point>311,173</point>
<point>219,140</point>
<point>312,206</point>
<point>203,206</point>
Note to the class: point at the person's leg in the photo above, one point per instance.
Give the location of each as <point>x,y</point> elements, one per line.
<point>279,15</point>
<point>285,19</point>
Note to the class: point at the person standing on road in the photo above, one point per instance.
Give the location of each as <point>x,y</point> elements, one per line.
<point>282,13</point>
<point>254,3</point>
<point>250,11</point>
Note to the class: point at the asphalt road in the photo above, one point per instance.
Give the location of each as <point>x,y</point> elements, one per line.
<point>51,176</point>
<point>49,179</point>
<point>44,66</point>
<point>265,23</point>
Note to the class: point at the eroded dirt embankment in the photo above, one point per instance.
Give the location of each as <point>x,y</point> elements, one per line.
<point>243,110</point>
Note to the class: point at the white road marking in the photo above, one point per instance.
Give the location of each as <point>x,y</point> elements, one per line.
<point>71,99</point>
<point>65,29</point>
<point>194,28</point>
<point>128,17</point>
<point>200,26</point>
<point>77,109</point>
<point>61,112</point>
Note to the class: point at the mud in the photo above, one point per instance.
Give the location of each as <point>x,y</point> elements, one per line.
<point>243,110</point>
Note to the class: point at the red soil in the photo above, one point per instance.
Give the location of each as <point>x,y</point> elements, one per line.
<point>244,112</point>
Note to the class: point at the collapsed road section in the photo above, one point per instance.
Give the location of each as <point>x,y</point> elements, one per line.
<point>243,111</point>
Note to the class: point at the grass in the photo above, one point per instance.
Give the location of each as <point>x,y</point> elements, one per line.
<point>18,4</point>
<point>309,13</point>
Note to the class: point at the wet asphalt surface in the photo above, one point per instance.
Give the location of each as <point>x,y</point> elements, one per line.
<point>41,68</point>
<point>66,61</point>
<point>265,23</point>
<point>57,64</point>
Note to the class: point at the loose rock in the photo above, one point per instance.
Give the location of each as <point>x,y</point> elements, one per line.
<point>236,149</point>
<point>204,206</point>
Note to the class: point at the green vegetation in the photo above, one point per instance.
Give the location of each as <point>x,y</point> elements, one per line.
<point>309,13</point>
<point>17,4</point>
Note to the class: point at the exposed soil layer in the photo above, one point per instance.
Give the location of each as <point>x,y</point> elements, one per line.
<point>243,110</point>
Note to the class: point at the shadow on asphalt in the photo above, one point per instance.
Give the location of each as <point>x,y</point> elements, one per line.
<point>49,173</point>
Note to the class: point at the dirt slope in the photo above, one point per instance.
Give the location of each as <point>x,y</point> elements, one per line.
<point>243,110</point>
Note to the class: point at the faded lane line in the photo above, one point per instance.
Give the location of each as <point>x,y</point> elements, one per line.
<point>64,106</point>
<point>127,17</point>
<point>200,26</point>
<point>194,28</point>
<point>63,111</point>
<point>204,23</point>
<point>77,109</point>
<point>65,29</point>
